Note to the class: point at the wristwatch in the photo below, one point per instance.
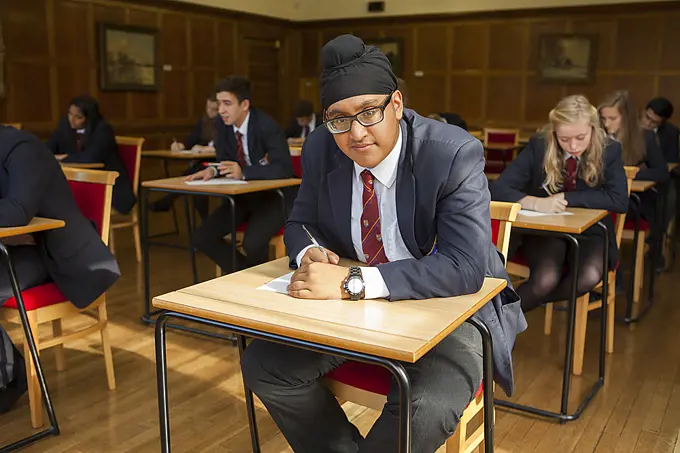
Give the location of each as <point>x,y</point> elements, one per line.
<point>354,285</point>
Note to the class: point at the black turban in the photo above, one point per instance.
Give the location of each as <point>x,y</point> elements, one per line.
<point>349,68</point>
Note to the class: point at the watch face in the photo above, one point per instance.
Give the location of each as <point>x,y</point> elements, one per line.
<point>355,285</point>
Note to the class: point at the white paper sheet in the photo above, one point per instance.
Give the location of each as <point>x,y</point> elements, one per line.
<point>279,285</point>
<point>541,214</point>
<point>215,182</point>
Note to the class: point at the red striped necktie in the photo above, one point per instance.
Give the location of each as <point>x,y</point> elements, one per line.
<point>371,233</point>
<point>240,153</point>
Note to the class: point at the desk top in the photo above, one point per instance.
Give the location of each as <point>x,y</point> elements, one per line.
<point>177,183</point>
<point>403,330</point>
<point>580,220</point>
<point>642,186</point>
<point>34,226</point>
<point>181,155</point>
<point>91,165</point>
<point>492,176</point>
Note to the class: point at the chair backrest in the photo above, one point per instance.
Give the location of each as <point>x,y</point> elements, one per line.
<point>501,138</point>
<point>620,219</point>
<point>93,192</point>
<point>296,159</point>
<point>502,216</point>
<point>130,152</point>
<point>14,125</point>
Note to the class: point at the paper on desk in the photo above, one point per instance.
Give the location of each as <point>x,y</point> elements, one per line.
<point>279,285</point>
<point>214,182</point>
<point>541,214</point>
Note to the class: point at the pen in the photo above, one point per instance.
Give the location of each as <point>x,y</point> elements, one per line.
<point>316,244</point>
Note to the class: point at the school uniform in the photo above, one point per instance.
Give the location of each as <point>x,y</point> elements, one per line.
<point>668,136</point>
<point>264,155</point>
<point>296,131</point>
<point>32,184</point>
<point>95,144</point>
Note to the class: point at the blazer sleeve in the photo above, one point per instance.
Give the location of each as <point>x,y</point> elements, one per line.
<point>194,137</point>
<point>511,184</point>
<point>305,210</point>
<point>463,237</point>
<point>53,142</point>
<point>670,139</point>
<point>656,168</point>
<point>612,194</point>
<point>276,150</point>
<point>102,142</point>
<point>29,175</point>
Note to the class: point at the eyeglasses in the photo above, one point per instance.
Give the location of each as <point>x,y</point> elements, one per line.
<point>366,118</point>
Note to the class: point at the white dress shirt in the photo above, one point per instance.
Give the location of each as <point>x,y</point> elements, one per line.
<point>385,174</point>
<point>311,126</point>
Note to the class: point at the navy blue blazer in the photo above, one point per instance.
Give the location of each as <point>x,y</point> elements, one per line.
<point>267,147</point>
<point>525,176</point>
<point>99,146</point>
<point>32,184</point>
<point>442,197</point>
<point>295,130</point>
<point>669,141</point>
<point>654,167</point>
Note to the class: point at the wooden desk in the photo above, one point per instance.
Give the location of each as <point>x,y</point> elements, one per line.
<point>36,225</point>
<point>373,331</point>
<point>178,155</point>
<point>227,192</point>
<point>642,186</point>
<point>295,150</point>
<point>567,227</point>
<point>88,165</point>
<point>492,176</point>
<point>580,220</point>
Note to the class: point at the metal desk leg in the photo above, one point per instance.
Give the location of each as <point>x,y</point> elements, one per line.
<point>54,426</point>
<point>190,238</point>
<point>487,368</point>
<point>162,382</point>
<point>250,405</point>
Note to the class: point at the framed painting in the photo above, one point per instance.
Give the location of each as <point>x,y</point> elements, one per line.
<point>393,48</point>
<point>567,58</point>
<point>128,58</point>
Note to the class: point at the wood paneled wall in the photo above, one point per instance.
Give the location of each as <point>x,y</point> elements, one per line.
<point>52,56</point>
<point>483,66</point>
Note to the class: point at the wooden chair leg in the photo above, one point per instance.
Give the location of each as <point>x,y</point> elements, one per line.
<point>218,271</point>
<point>639,277</point>
<point>277,248</point>
<point>112,244</point>
<point>547,324</point>
<point>135,234</point>
<point>34,395</point>
<point>58,349</point>
<point>580,333</point>
<point>106,346</point>
<point>611,312</point>
<point>456,443</point>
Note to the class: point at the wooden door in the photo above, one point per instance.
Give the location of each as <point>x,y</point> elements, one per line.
<point>262,56</point>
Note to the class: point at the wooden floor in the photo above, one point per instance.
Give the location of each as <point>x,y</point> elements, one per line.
<point>638,411</point>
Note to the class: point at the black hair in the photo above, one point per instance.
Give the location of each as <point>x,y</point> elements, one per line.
<point>662,107</point>
<point>236,85</point>
<point>303,108</point>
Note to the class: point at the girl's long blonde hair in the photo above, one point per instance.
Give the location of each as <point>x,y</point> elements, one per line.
<point>630,134</point>
<point>570,110</point>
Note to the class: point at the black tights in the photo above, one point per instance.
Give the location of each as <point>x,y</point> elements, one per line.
<point>546,257</point>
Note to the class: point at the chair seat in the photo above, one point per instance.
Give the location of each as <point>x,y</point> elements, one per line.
<point>630,225</point>
<point>242,228</point>
<point>371,378</point>
<point>38,297</point>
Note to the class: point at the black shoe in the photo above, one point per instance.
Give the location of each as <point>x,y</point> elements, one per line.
<point>16,387</point>
<point>162,205</point>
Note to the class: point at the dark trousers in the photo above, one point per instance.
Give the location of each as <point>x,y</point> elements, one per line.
<point>264,213</point>
<point>30,272</point>
<point>287,380</point>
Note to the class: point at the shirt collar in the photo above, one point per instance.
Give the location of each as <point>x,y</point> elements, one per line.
<point>80,131</point>
<point>567,156</point>
<point>244,127</point>
<point>385,171</point>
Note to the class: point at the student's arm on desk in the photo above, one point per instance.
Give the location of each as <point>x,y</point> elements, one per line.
<point>276,149</point>
<point>28,176</point>
<point>464,237</point>
<point>102,142</point>
<point>612,195</point>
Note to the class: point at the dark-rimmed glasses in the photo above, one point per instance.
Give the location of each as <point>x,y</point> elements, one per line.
<point>366,118</point>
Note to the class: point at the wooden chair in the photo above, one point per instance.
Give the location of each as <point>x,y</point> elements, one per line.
<point>368,385</point>
<point>583,304</point>
<point>14,125</point>
<point>130,150</point>
<point>500,147</point>
<point>92,190</point>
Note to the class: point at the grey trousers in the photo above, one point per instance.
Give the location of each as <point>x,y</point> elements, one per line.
<point>30,272</point>
<point>287,380</point>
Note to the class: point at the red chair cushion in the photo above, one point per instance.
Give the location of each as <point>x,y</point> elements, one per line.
<point>501,138</point>
<point>128,154</point>
<point>90,199</point>
<point>38,297</point>
<point>297,165</point>
<point>630,225</point>
<point>371,378</point>
<point>495,229</point>
<point>518,258</point>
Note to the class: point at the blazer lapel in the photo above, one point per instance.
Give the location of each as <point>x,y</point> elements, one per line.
<point>253,150</point>
<point>340,194</point>
<point>406,193</point>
